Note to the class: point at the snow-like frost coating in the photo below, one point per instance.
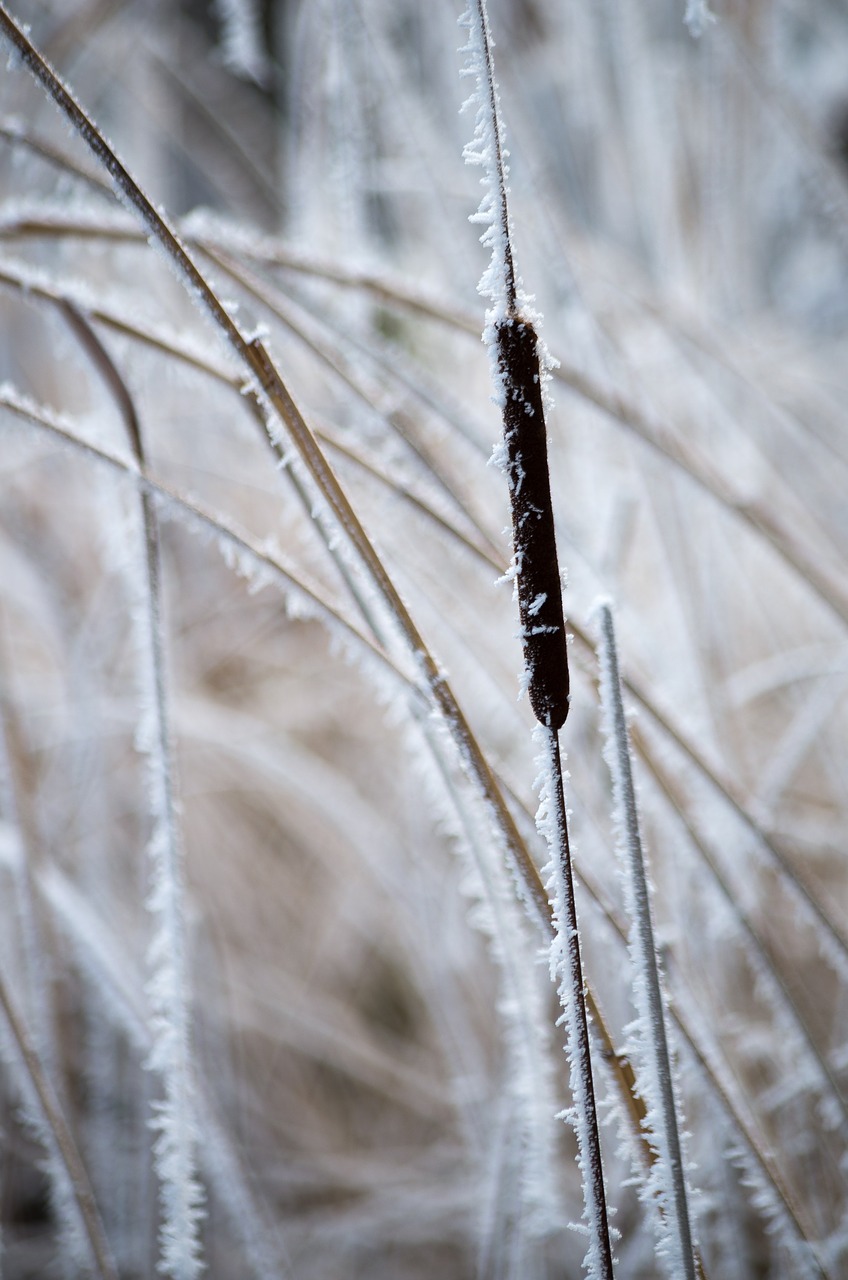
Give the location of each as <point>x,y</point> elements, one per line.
<point>174,1118</point>
<point>665,1190</point>
<point>550,820</point>
<point>498,282</point>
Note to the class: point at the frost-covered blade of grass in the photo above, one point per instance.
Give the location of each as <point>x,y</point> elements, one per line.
<point>746,1147</point>
<point>70,1184</point>
<point>498,283</point>
<point>667,1183</point>
<point>168,989</point>
<point>175,1120</point>
<point>169,986</point>
<point>104,958</point>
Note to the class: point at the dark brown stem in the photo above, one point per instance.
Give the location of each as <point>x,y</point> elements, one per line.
<point>577,1025</point>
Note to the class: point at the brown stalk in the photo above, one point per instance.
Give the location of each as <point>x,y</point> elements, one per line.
<point>60,1131</point>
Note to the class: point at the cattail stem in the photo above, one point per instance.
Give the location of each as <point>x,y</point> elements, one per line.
<point>570,969</point>
<point>510,289</point>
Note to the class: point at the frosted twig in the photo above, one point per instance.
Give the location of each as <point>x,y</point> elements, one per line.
<point>175,1119</point>
<point>655,1081</point>
<point>486,149</point>
<point>567,972</point>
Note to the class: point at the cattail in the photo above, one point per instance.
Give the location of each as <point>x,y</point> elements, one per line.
<point>534,542</point>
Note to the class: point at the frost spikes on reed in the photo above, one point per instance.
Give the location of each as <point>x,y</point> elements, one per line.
<point>498,282</point>
<point>174,1120</point>
<point>567,972</point>
<point>666,1187</point>
<point>175,1148</point>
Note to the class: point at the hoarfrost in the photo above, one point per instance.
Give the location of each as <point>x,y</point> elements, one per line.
<point>550,819</point>
<point>174,1120</point>
<point>241,42</point>
<point>498,282</point>
<point>666,1188</point>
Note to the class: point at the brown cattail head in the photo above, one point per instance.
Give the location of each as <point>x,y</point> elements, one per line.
<point>537,569</point>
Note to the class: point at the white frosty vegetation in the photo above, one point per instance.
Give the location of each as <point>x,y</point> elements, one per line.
<point>498,282</point>
<point>360,1065</point>
<point>168,988</point>
<point>666,1189</point>
<point>176,1143</point>
<point>139,554</point>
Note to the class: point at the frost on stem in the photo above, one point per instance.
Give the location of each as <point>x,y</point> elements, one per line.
<point>567,973</point>
<point>175,1118</point>
<point>498,282</point>
<point>666,1187</point>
